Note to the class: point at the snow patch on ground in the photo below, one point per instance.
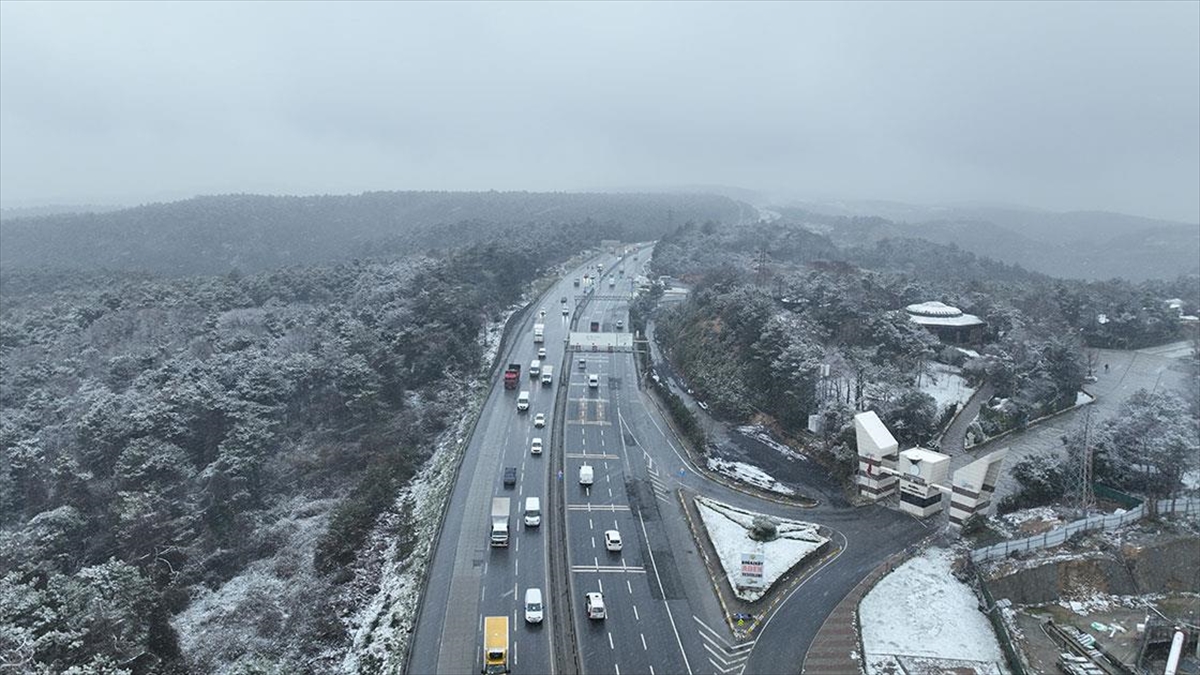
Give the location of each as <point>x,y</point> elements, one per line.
<point>748,474</point>
<point>760,434</point>
<point>921,610</point>
<point>946,386</point>
<point>728,527</point>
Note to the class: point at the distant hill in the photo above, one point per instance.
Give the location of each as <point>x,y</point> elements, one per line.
<point>8,213</point>
<point>216,234</point>
<point>1077,244</point>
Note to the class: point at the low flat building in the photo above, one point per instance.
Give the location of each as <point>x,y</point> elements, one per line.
<point>948,323</point>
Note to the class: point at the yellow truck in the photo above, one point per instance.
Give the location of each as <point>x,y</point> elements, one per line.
<point>495,645</point>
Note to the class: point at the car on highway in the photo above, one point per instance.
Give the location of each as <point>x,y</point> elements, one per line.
<point>542,312</point>
<point>535,446</point>
<point>510,476</point>
<point>595,605</point>
<point>566,312</point>
<point>541,352</point>
<point>583,364</point>
<point>533,605</point>
<point>563,299</point>
<point>620,324</point>
<point>594,381</point>
<point>612,540</point>
<point>539,420</point>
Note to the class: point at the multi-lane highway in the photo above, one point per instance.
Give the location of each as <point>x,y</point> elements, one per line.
<point>661,613</point>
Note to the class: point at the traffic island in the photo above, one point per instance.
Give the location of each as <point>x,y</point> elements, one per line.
<point>751,575</point>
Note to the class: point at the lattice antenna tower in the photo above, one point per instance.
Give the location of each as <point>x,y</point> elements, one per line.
<point>1079,486</point>
<point>760,265</point>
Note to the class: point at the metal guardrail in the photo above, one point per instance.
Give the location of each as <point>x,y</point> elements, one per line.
<point>1185,506</point>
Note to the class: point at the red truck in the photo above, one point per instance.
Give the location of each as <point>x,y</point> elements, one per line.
<point>512,376</point>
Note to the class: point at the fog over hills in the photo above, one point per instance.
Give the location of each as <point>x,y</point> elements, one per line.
<point>1075,244</point>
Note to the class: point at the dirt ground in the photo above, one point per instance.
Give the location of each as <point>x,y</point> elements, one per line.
<point>1042,652</point>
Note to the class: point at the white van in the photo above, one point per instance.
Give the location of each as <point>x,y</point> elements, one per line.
<point>586,474</point>
<point>547,376</point>
<point>534,611</point>
<point>535,368</point>
<point>533,512</point>
<point>523,401</point>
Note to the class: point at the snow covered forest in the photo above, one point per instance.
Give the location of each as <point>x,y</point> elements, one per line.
<point>165,434</point>
<point>771,304</point>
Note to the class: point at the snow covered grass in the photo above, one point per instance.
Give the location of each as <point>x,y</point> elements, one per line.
<point>748,474</point>
<point>921,610</point>
<point>946,386</point>
<point>728,529</point>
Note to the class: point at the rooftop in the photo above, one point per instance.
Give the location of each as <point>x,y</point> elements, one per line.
<point>936,313</point>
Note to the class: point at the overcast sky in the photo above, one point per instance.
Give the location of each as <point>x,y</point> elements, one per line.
<point>1060,106</point>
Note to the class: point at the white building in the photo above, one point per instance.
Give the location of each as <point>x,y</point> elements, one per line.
<point>877,450</point>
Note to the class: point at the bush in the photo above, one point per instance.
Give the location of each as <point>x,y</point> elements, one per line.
<point>764,529</point>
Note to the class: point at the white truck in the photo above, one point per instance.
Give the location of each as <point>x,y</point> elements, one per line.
<point>539,333</point>
<point>547,376</point>
<point>500,521</point>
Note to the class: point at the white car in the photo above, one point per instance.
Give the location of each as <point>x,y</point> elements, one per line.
<point>539,420</point>
<point>595,605</point>
<point>594,381</point>
<point>534,609</point>
<point>535,447</point>
<point>541,352</point>
<point>612,540</point>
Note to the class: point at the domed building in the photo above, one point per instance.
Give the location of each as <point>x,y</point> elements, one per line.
<point>948,323</point>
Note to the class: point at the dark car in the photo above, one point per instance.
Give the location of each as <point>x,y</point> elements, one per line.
<point>510,476</point>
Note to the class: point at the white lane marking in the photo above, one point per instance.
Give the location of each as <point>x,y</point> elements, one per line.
<point>590,525</point>
<point>615,666</point>
<point>628,584</point>
<point>845,546</point>
<point>609,492</point>
<point>635,614</point>
<point>663,591</point>
<point>593,542</point>
<point>600,585</point>
<point>610,642</point>
<point>516,566</point>
<point>643,636</point>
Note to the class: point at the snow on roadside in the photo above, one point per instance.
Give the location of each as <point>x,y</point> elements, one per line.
<point>760,434</point>
<point>748,474</point>
<point>728,527</point>
<point>385,622</point>
<point>920,609</point>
